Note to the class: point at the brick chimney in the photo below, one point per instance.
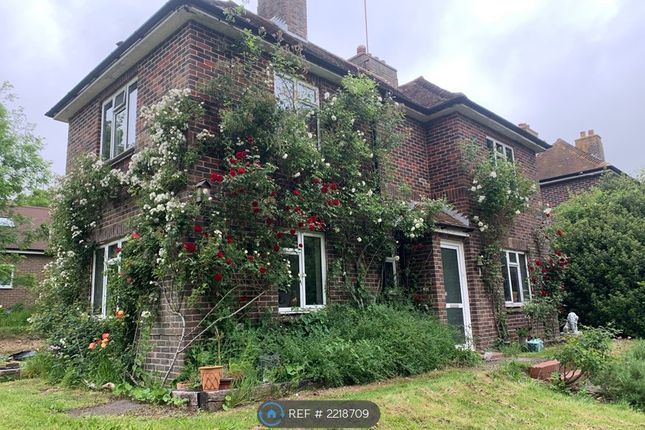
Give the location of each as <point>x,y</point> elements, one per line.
<point>375,65</point>
<point>526,127</point>
<point>591,143</point>
<point>291,15</point>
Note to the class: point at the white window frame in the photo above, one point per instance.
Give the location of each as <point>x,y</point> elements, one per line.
<point>392,261</point>
<point>507,269</point>
<point>505,147</point>
<point>9,286</point>
<point>105,247</point>
<point>125,107</point>
<point>300,252</point>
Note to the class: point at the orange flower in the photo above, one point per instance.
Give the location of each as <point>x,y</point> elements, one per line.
<point>105,336</point>
<point>119,314</point>
<point>92,346</point>
<point>104,343</point>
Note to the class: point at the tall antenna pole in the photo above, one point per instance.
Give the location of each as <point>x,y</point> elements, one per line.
<point>367,39</point>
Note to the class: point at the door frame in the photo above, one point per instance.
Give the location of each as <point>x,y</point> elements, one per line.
<point>463,281</point>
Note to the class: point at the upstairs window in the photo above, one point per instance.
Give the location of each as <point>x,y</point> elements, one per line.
<point>119,122</point>
<point>500,150</point>
<point>308,267</point>
<point>6,276</point>
<point>104,256</point>
<point>293,93</point>
<point>516,280</point>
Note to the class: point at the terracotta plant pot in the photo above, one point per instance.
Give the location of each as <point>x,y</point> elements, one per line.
<point>210,377</point>
<point>226,383</point>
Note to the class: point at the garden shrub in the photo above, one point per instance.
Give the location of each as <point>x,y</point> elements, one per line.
<point>624,379</point>
<point>603,231</point>
<point>343,345</point>
<point>589,352</point>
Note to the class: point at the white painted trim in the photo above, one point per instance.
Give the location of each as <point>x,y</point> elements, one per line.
<point>301,270</point>
<point>124,108</point>
<point>507,260</point>
<point>20,251</point>
<point>451,232</point>
<point>504,147</point>
<point>465,300</point>
<point>105,247</point>
<point>573,176</point>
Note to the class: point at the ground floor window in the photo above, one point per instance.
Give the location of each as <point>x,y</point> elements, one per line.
<point>104,256</point>
<point>308,264</point>
<point>390,276</point>
<point>6,276</point>
<point>517,289</point>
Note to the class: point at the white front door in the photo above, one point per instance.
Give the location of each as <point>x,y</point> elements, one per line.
<point>456,291</point>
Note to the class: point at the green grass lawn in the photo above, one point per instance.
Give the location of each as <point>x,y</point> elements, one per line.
<point>450,399</point>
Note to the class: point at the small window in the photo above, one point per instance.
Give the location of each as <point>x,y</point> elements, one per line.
<point>517,289</point>
<point>308,274</point>
<point>500,150</point>
<point>6,276</point>
<point>390,280</point>
<point>295,94</point>
<point>119,122</point>
<point>104,257</point>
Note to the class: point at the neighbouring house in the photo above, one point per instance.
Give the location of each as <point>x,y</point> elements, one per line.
<point>566,170</point>
<point>30,257</point>
<point>187,43</point>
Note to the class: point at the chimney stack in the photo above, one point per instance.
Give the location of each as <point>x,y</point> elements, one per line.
<point>591,143</point>
<point>291,14</point>
<point>526,127</point>
<point>375,65</point>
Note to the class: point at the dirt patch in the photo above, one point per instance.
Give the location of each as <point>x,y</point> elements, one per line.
<point>17,344</point>
<point>129,408</point>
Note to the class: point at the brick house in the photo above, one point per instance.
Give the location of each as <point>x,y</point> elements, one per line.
<point>565,170</point>
<point>31,259</point>
<point>187,43</point>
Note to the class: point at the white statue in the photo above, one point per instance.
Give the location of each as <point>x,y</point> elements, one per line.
<point>571,325</point>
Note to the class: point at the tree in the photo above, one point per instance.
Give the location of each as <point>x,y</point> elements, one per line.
<point>603,231</point>
<point>22,170</point>
<point>39,198</point>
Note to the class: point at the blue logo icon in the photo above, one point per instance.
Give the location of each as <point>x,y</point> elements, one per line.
<point>271,414</point>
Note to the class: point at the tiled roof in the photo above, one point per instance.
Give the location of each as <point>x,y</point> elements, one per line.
<point>34,217</point>
<point>564,159</point>
<point>451,218</point>
<point>426,93</point>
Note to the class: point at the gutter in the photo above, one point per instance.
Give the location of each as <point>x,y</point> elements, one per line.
<point>586,173</point>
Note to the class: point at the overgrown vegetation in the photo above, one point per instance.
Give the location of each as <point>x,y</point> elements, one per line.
<point>339,345</point>
<point>605,233</point>
<point>623,380</point>
<point>14,321</point>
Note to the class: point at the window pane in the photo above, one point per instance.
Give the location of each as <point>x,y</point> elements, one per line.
<point>489,144</point>
<point>512,257</point>
<point>456,321</point>
<point>289,297</point>
<point>389,280</point>
<point>106,145</point>
<point>500,148</point>
<point>99,257</point>
<point>307,94</point>
<point>509,154</point>
<point>6,275</point>
<point>507,285</point>
<point>515,284</point>
<point>451,280</point>
<point>119,100</point>
<point>132,116</point>
<point>119,132</point>
<point>525,278</point>
<point>284,91</point>
<point>313,271</point>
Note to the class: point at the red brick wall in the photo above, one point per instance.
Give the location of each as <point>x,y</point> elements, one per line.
<point>26,265</point>
<point>554,194</point>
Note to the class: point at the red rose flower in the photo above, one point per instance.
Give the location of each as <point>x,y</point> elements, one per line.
<point>315,181</point>
<point>296,192</point>
<point>256,210</point>
<point>254,203</point>
<point>538,263</point>
<point>198,228</point>
<point>293,232</point>
<point>269,221</point>
<point>220,253</point>
<point>229,261</point>
<point>218,277</point>
<point>300,245</point>
<point>118,250</point>
<point>263,269</point>
<point>135,235</point>
<point>92,346</point>
<point>240,155</point>
<point>216,177</point>
<point>232,160</point>
<point>105,336</point>
<point>250,257</point>
<point>333,186</point>
<point>312,227</point>
<point>232,173</point>
<point>324,189</point>
<point>190,247</point>
<point>250,140</point>
<point>279,235</point>
<point>312,218</point>
<point>229,240</point>
<point>276,248</point>
<point>273,194</point>
<point>241,170</point>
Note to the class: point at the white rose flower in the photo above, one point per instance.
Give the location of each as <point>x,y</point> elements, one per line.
<point>493,174</point>
<point>481,199</point>
<point>359,239</point>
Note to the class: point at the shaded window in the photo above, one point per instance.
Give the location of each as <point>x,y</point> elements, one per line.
<point>6,276</point>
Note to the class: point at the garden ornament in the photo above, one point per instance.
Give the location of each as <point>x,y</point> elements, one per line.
<point>571,325</point>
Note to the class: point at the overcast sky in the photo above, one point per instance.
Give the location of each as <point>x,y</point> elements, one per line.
<point>560,65</point>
